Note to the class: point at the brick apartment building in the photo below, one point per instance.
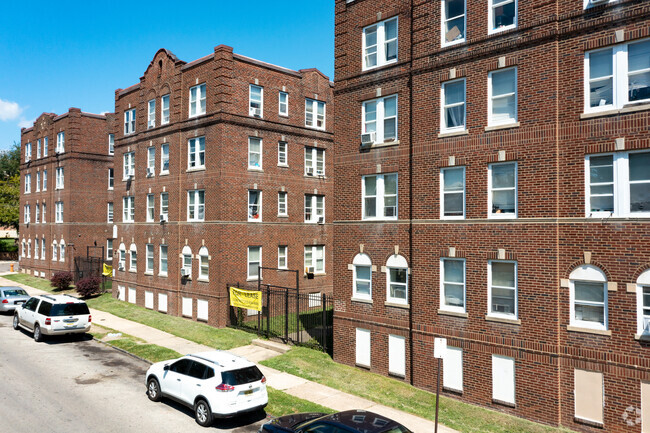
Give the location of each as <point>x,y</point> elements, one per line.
<point>65,170</point>
<point>222,164</point>
<point>492,178</point>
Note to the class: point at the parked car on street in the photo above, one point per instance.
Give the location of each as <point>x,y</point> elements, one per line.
<point>349,421</point>
<point>11,297</point>
<point>215,384</point>
<point>53,315</point>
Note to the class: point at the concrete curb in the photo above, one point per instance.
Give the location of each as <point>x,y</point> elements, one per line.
<point>119,349</point>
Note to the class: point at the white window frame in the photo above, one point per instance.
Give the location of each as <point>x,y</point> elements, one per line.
<point>45,146</point>
<point>37,214</point>
<point>111,144</point>
<point>44,180</point>
<point>204,264</point>
<point>282,154</point>
<point>133,258</point>
<point>491,119</point>
<point>28,151</point>
<point>43,212</point>
<point>58,214</point>
<point>397,262</point>
<point>36,248</point>
<point>515,289</point>
<point>314,157</point>
<point>43,248</point>
<point>380,118</point>
<point>443,282</point>
<point>361,260</point>
<point>60,143</point>
<point>164,112</point>
<point>251,217</point>
<point>251,165</point>
<point>197,206</point>
<point>503,367</point>
<point>151,114</point>
<point>164,209</point>
<point>109,212</point>
<point>315,250</point>
<point>151,160</point>
<point>111,179</point>
<point>62,251</point>
<point>444,129</point>
<point>314,208</point>
<point>381,46</point>
<point>129,121</point>
<point>197,106</point>
<point>151,208</point>
<point>121,260</point>
<point>55,251</point>
<point>491,190</point>
<point>380,197</point>
<point>163,258</point>
<point>444,19</point>
<point>282,204</point>
<point>38,148</point>
<point>164,156</point>
<point>311,107</point>
<point>250,276</point>
<point>128,165</point>
<point>363,346</point>
<point>60,179</point>
<point>28,183</point>
<point>496,3</point>
<point>109,249</point>
<point>252,103</point>
<point>643,320</point>
<point>594,275</point>
<point>284,104</point>
<point>199,151</point>
<point>283,255</point>
<point>443,171</point>
<point>128,209</point>
<point>149,258</point>
<point>621,186</point>
<point>26,214</point>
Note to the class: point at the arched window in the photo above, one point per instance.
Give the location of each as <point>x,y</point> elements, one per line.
<point>22,253</point>
<point>121,264</point>
<point>397,279</point>
<point>133,252</point>
<point>186,270</point>
<point>643,302</point>
<point>62,251</point>
<point>204,258</point>
<point>29,248</point>
<point>588,286</point>
<point>55,251</point>
<point>362,277</point>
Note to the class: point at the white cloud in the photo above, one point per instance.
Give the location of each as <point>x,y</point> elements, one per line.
<point>26,123</point>
<point>9,110</point>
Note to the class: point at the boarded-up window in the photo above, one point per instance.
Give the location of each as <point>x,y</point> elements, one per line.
<point>363,347</point>
<point>588,391</point>
<point>452,369</point>
<point>148,299</point>
<point>396,355</point>
<point>503,379</point>
<point>162,302</point>
<point>645,407</point>
<point>202,309</point>
<point>132,295</point>
<point>187,307</point>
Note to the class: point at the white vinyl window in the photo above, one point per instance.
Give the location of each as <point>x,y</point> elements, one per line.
<point>186,267</point>
<point>111,144</point>
<point>151,208</point>
<point>282,257</point>
<point>128,209</point>
<point>643,304</point>
<point>588,298</point>
<point>38,148</point>
<point>255,101</point>
<point>452,285</point>
<point>618,185</point>
<point>151,114</point>
<point>163,261</point>
<point>109,249</point>
<point>44,180</point>
<point>397,280</point>
<point>59,178</point>
<point>502,289</point>
<point>196,205</point>
<point>133,254</point>
<point>452,369</point>
<point>60,142</point>
<point>453,106</point>
<point>204,264</point>
<point>589,395</point>
<point>502,15</point>
<point>37,215</point>
<point>283,104</point>
<point>164,106</point>
<point>254,205</point>
<point>397,355</point>
<point>43,213</point>
<point>379,120</point>
<point>129,122</point>
<point>62,251</point>
<point>254,153</point>
<point>129,165</point>
<point>109,217</point>
<point>282,154</point>
<point>503,379</point>
<point>36,248</point>
<point>617,76</point>
<point>452,192</point>
<point>453,22</point>
<point>502,187</point>
<point>315,259</point>
<point>26,214</point>
<point>45,145</point>
<point>380,44</point>
<point>362,277</point>
<point>55,251</point>
<point>314,113</point>
<point>314,161</point>
<point>362,347</point>
<point>28,152</point>
<point>196,153</point>
<point>58,212</point>
<point>254,260</point>
<point>314,208</point>
<point>111,179</point>
<point>28,182</point>
<point>122,257</point>
<point>282,203</point>
<point>149,257</point>
<point>164,206</point>
<point>379,196</point>
<point>151,161</point>
<point>43,249</point>
<point>197,100</point>
<point>164,158</point>
<point>502,97</point>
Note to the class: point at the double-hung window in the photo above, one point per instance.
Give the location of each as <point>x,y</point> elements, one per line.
<point>502,289</point>
<point>197,100</point>
<point>151,208</point>
<point>163,261</point>
<point>379,196</point>
<point>38,181</point>
<point>129,165</point>
<point>380,44</point>
<point>397,280</point>
<point>617,76</point>
<point>255,100</point>
<point>128,209</point>
<point>588,298</point>
<point>111,144</point>
<point>28,152</point>
<point>111,180</point>
<point>43,212</point>
<point>151,161</point>
<point>453,106</point>
<point>45,146</point>
<point>362,277</point>
<point>164,110</point>
<point>37,215</point>
<point>196,153</point>
<point>502,97</point>
<point>58,212</point>
<point>44,180</point>
<point>109,216</point>
<point>60,143</point>
<point>59,178</point>
<point>314,161</point>
<point>204,264</point>
<point>314,113</point>
<point>27,214</point>
<point>164,206</point>
<point>254,153</point>
<point>314,208</point>
<point>282,257</point>
<point>315,259</point>
<point>502,15</point>
<point>502,187</point>
<point>254,205</point>
<point>133,264</point>
<point>62,251</point>
<point>196,205</point>
<point>254,261</point>
<point>28,183</point>
<point>618,184</point>
<point>36,248</point>
<point>452,285</point>
<point>164,158</point>
<point>283,104</point>
<point>121,263</point>
<point>453,22</point>
<point>282,203</point>
<point>380,120</point>
<point>55,251</point>
<point>43,249</point>
<point>151,114</point>
<point>282,153</point>
<point>149,256</point>
<point>129,121</point>
<point>38,148</point>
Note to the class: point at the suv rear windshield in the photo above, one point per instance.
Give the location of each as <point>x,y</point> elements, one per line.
<point>241,376</point>
<point>72,309</point>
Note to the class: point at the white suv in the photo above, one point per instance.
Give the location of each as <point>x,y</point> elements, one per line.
<point>215,384</point>
<point>53,315</point>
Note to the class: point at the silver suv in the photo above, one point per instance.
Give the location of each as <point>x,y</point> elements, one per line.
<point>53,315</point>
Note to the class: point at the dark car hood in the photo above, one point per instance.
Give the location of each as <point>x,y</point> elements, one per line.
<point>288,421</point>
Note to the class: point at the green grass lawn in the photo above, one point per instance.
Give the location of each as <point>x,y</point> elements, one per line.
<point>281,403</point>
<point>134,345</point>
<point>319,367</point>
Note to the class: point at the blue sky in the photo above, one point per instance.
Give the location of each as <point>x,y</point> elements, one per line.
<point>57,55</point>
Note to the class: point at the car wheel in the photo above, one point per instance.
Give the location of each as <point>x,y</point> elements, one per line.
<point>153,390</point>
<point>16,322</point>
<point>202,413</point>
<point>38,336</point>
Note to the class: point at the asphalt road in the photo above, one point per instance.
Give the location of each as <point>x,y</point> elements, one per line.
<point>68,384</point>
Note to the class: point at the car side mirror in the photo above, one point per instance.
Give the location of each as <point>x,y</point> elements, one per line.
<point>166,367</point>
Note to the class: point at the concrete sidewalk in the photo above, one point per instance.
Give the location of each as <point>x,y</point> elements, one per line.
<point>256,352</point>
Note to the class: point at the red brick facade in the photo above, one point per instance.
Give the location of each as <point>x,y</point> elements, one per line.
<point>551,235</point>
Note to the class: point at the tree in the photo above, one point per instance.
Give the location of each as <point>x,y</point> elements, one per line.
<point>10,162</point>
<point>10,187</point>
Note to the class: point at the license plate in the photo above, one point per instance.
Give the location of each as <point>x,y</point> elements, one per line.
<point>19,302</point>
<point>248,392</point>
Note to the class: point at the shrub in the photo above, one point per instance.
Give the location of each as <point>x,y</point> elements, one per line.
<point>61,280</point>
<point>88,286</point>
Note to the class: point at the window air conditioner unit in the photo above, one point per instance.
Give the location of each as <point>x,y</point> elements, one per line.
<point>163,218</point>
<point>320,173</point>
<point>310,171</point>
<point>368,139</point>
<point>597,2</point>
<point>321,220</point>
<point>150,171</point>
<point>309,269</point>
<point>185,272</point>
<point>255,112</point>
<point>646,325</point>
<point>120,267</point>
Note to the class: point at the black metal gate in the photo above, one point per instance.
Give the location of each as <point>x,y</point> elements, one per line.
<point>89,266</point>
<point>289,316</point>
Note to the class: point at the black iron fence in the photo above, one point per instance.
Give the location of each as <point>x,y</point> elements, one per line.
<point>289,316</point>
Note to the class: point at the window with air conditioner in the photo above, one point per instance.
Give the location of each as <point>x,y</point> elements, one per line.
<point>254,153</point>
<point>128,209</point>
<point>314,208</point>
<point>380,44</point>
<point>164,207</point>
<point>255,100</point>
<point>379,197</point>
<point>379,120</point>
<point>197,100</point>
<point>314,161</point>
<point>186,268</point>
<point>121,264</point>
<point>315,259</point>
<point>128,165</point>
<point>151,209</point>
<point>151,161</point>
<point>502,289</point>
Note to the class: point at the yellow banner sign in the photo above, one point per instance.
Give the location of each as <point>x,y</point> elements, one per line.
<point>246,299</point>
<point>108,270</point>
